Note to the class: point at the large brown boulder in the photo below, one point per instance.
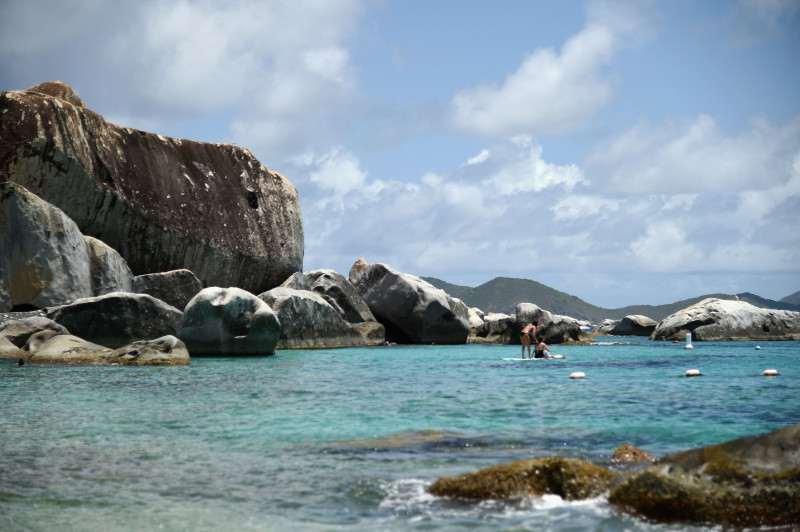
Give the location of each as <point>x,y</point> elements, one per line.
<point>162,203</point>
<point>570,478</point>
<point>748,482</point>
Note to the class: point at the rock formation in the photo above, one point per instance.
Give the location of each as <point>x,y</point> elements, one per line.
<point>634,325</point>
<point>162,203</point>
<point>748,482</point>
<point>570,478</point>
<point>44,258</point>
<point>229,322</point>
<point>176,287</point>
<point>107,269</point>
<point>719,320</point>
<point>555,329</point>
<point>340,294</point>
<point>307,320</point>
<point>411,309</point>
<point>118,318</point>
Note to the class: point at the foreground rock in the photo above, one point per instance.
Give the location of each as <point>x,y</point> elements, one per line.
<point>175,288</point>
<point>716,320</point>
<point>163,203</point>
<point>116,319</point>
<point>68,349</point>
<point>411,309</point>
<point>630,454</point>
<point>108,271</point>
<point>748,482</point>
<point>307,320</point>
<point>44,258</point>
<point>555,329</point>
<point>570,478</point>
<point>229,322</point>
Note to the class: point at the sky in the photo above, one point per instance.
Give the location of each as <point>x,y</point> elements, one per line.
<point>625,152</point>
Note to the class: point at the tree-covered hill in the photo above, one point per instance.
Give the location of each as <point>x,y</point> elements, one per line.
<point>502,294</point>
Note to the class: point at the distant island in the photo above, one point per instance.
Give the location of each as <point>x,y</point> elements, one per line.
<point>502,294</point>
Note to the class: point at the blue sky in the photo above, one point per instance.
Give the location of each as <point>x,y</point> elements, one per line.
<point>624,152</point>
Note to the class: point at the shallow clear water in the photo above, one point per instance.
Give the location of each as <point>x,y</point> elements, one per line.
<point>350,439</point>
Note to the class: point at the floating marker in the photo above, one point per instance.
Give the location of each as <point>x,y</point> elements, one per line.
<point>770,373</point>
<point>688,341</point>
<point>577,375</point>
<point>692,372</point>
<point>758,347</point>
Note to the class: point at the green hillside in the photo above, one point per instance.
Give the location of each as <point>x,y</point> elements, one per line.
<point>793,299</point>
<point>502,294</point>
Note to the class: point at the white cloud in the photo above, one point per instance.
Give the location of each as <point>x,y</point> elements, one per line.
<point>575,207</point>
<point>696,155</point>
<point>665,249</point>
<point>552,92</point>
<point>480,158</point>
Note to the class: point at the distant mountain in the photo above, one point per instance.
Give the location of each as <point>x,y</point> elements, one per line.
<point>793,299</point>
<point>502,294</point>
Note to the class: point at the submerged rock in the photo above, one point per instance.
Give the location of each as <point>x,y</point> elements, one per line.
<point>569,478</point>
<point>162,203</point>
<point>716,320</point>
<point>229,322</point>
<point>748,482</point>
<point>411,309</point>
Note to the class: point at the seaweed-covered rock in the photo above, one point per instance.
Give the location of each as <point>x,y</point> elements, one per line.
<point>630,454</point>
<point>164,351</point>
<point>747,482</point>
<point>715,320</point>
<point>570,478</point>
<point>229,322</point>
<point>118,318</point>
<point>162,203</point>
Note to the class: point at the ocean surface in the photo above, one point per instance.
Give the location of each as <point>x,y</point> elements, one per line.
<point>349,439</point>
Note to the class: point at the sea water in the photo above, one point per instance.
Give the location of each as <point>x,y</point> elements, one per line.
<point>350,439</point>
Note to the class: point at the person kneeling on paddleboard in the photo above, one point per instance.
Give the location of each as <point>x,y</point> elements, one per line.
<point>541,350</point>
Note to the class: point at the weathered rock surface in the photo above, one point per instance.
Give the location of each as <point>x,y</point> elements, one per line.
<point>341,294</point>
<point>748,482</point>
<point>9,350</point>
<point>634,325</point>
<point>307,320</point>
<point>411,309</point>
<point>570,478</point>
<point>716,320</point>
<point>116,319</point>
<point>18,331</point>
<point>108,270</point>
<point>37,340</point>
<point>555,329</point>
<point>66,348</point>
<point>298,281</point>
<point>496,328</point>
<point>162,203</point>
<point>630,454</point>
<point>164,351</point>
<point>229,322</point>
<point>176,287</point>
<point>44,258</point>
<point>605,327</point>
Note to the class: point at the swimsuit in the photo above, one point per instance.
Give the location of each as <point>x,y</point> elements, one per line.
<point>538,354</point>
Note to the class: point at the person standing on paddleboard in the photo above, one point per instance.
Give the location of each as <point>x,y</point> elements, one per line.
<point>525,338</point>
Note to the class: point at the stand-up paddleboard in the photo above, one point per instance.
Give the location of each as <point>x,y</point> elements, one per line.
<point>529,359</point>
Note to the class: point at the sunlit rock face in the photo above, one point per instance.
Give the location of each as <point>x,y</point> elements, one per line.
<point>162,203</point>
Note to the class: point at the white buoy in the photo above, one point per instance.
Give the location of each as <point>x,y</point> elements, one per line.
<point>577,375</point>
<point>688,341</point>
<point>758,347</point>
<point>692,372</point>
<point>770,373</point>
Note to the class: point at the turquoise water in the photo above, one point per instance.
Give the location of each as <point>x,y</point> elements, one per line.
<point>337,439</point>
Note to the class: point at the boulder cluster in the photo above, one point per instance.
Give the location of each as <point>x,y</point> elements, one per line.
<point>744,483</point>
